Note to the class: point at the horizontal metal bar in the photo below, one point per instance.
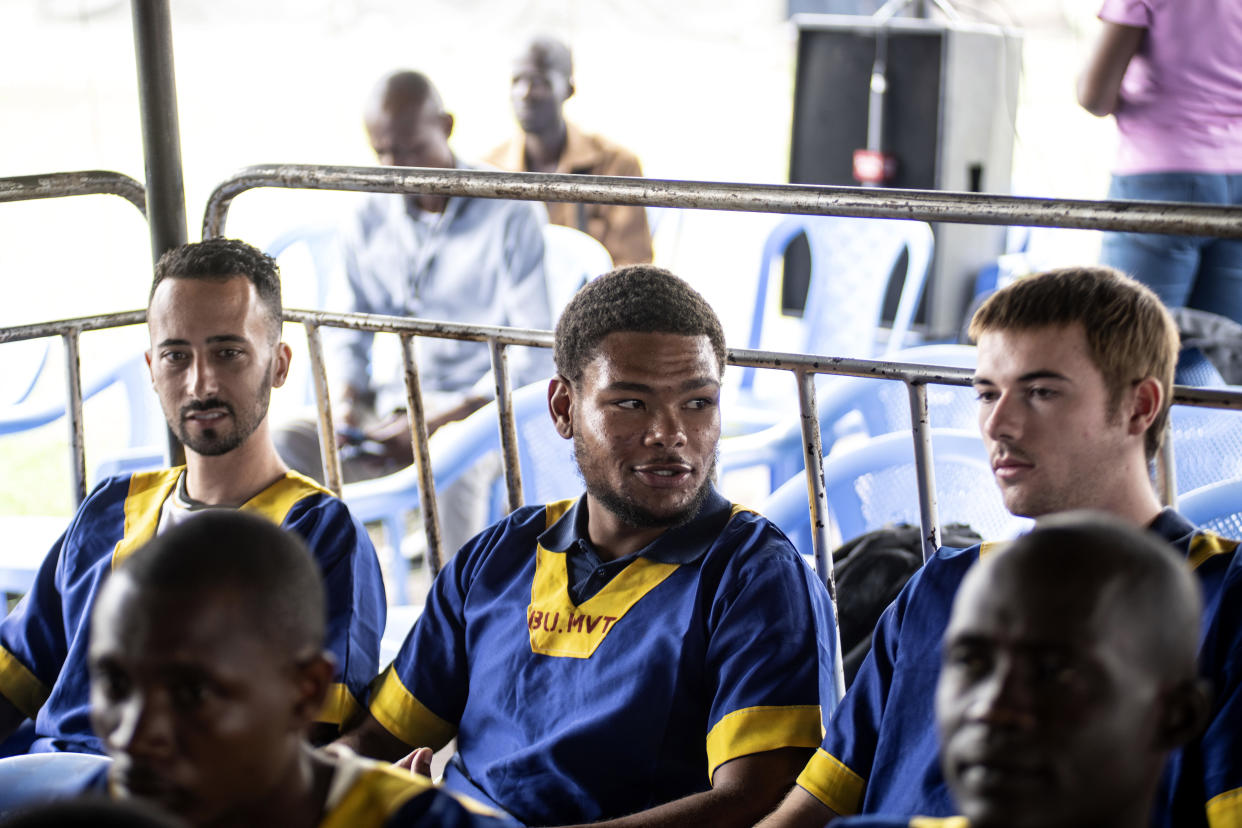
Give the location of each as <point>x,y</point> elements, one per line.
<point>422,327</point>
<point>60,327</point>
<point>744,357</point>
<point>923,205</point>
<point>85,182</point>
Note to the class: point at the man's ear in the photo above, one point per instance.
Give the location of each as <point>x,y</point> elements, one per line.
<point>1147,398</point>
<point>446,120</point>
<point>560,405</point>
<point>569,89</point>
<point>314,678</point>
<point>1185,711</point>
<point>280,368</point>
<point>147,356</point>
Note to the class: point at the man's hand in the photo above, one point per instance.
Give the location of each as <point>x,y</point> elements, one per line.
<point>417,762</point>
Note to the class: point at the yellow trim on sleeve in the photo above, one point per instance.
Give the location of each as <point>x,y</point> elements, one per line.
<point>339,707</point>
<point>1225,810</point>
<point>827,779</point>
<point>405,717</point>
<point>758,729</point>
<point>1206,545</point>
<point>20,686</point>
<point>147,493</point>
<point>939,822</point>
<point>991,547</point>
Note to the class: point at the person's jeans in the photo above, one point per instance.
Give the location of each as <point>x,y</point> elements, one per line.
<point>1184,271</point>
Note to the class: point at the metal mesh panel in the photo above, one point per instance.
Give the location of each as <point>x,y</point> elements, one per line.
<point>1207,446</point>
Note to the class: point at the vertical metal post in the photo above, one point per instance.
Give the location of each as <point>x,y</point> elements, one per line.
<point>1166,471</point>
<point>161,138</point>
<point>924,468</point>
<point>508,427</point>
<point>813,451</point>
<point>417,412</point>
<point>73,386</point>
<point>327,428</point>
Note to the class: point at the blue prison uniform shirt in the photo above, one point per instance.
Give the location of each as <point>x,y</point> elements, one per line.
<point>880,754</point>
<point>708,646</point>
<point>43,641</point>
<point>382,796</point>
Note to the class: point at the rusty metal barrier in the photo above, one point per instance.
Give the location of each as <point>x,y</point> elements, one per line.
<point>86,182</point>
<point>59,185</point>
<point>921,205</point>
<point>803,366</point>
<point>1133,216</point>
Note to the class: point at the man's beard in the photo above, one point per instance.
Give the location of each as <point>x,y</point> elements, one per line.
<point>210,442</point>
<point>633,514</point>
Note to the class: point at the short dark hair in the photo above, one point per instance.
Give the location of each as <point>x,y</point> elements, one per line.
<point>555,53</point>
<point>226,550</point>
<point>1130,334</point>
<point>635,298</point>
<point>221,259</point>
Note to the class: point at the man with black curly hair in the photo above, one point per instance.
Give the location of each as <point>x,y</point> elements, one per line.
<point>649,654</point>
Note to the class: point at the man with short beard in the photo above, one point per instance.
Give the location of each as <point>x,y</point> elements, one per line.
<point>215,319</point>
<point>648,654</point>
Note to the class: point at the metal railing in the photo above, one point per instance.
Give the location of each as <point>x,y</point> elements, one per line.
<point>59,185</point>
<point>85,182</point>
<point>921,205</point>
<point>1154,217</point>
<point>804,367</point>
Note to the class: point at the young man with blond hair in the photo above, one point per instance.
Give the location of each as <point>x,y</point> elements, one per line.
<point>1075,376</point>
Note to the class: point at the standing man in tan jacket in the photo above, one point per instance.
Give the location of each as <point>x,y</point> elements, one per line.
<point>543,79</point>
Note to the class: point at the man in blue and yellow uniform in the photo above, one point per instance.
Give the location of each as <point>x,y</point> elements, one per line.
<point>1068,675</point>
<point>207,668</point>
<point>650,653</point>
<point>1075,375</point>
<point>215,320</point>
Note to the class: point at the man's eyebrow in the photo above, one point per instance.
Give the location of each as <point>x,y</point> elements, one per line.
<point>211,340</point>
<point>642,387</point>
<point>1029,376</point>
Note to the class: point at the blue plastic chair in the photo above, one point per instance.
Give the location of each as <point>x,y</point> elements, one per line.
<point>851,260</point>
<point>30,536</point>
<point>1207,446</point>
<point>874,484</point>
<point>131,374</point>
<point>548,470</point>
<point>858,405</point>
<point>1216,507</point>
<point>571,258</point>
<point>41,777</point>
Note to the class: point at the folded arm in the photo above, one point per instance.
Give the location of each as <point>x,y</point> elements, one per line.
<point>743,790</point>
<point>1099,84</point>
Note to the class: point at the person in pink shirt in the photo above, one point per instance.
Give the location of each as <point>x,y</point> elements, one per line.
<point>1170,72</point>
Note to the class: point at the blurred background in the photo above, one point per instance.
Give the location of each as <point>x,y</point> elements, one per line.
<point>698,89</point>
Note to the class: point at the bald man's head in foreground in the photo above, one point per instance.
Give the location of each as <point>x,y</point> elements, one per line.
<point>1069,675</point>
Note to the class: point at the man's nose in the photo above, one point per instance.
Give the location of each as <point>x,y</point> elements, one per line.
<point>1002,419</point>
<point>144,727</point>
<point>666,429</point>
<point>202,378</point>
<point>1004,698</point>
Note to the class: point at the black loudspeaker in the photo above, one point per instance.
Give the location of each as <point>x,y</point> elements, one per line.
<point>948,118</point>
